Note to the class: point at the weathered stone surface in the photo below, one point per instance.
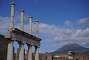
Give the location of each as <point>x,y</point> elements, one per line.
<point>3,47</point>
<point>28,38</point>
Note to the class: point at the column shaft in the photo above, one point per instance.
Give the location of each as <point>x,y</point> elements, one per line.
<point>10,51</point>
<point>29,52</point>
<point>21,52</point>
<point>37,54</point>
<point>22,20</point>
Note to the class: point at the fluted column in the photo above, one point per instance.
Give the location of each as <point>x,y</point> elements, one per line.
<point>37,53</point>
<point>10,51</point>
<point>21,51</point>
<point>29,52</point>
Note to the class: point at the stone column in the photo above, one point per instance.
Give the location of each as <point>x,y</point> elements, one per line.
<point>22,20</point>
<point>37,53</point>
<point>21,51</point>
<point>10,51</point>
<point>11,26</point>
<point>16,56</point>
<point>29,52</point>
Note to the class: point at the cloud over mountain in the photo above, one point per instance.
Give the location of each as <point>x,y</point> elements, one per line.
<point>56,37</point>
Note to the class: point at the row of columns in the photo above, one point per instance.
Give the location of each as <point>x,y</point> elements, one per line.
<point>10,50</point>
<point>20,54</point>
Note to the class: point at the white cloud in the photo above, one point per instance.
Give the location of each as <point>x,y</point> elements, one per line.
<point>53,37</point>
<point>81,21</point>
<point>4,24</point>
<point>84,21</point>
<point>68,22</point>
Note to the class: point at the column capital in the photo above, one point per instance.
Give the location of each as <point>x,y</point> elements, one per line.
<point>29,45</point>
<point>37,47</point>
<point>22,10</point>
<point>30,17</point>
<point>20,43</point>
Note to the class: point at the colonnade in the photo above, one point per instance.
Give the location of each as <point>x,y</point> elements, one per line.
<point>20,54</point>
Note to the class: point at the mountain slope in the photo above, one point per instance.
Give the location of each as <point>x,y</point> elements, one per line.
<point>71,47</point>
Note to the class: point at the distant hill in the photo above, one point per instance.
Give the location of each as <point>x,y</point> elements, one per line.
<point>72,47</point>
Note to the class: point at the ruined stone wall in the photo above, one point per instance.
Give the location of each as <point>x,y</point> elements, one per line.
<point>64,57</point>
<point>3,48</point>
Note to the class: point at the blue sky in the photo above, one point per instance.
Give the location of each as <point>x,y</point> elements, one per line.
<point>57,17</point>
<point>52,12</point>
